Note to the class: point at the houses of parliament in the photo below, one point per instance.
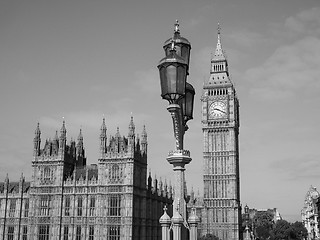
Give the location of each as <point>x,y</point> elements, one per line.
<point>66,199</point>
<point>115,198</point>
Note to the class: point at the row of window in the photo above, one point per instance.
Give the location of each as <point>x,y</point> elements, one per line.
<point>217,189</point>
<point>113,206</point>
<point>219,215</point>
<point>113,232</point>
<point>217,68</point>
<point>11,232</point>
<point>44,232</point>
<point>220,91</point>
<point>13,206</point>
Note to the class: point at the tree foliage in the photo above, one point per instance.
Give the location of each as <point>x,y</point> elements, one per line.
<point>265,228</point>
<point>290,231</point>
<point>263,222</point>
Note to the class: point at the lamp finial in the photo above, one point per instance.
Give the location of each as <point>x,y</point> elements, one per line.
<point>176,27</point>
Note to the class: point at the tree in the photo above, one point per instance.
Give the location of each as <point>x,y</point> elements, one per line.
<point>263,222</point>
<point>209,237</point>
<point>290,231</point>
<point>299,230</point>
<point>281,230</point>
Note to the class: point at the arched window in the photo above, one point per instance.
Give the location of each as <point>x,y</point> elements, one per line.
<point>79,207</point>
<point>47,173</point>
<point>114,205</point>
<point>115,173</point>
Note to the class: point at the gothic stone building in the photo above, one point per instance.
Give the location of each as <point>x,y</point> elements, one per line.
<point>310,213</point>
<point>219,209</point>
<point>66,199</point>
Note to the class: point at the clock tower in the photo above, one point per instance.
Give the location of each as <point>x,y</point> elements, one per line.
<point>220,126</point>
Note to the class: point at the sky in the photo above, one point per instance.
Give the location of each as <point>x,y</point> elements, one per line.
<point>82,60</point>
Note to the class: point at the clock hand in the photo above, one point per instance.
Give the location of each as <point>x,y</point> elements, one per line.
<point>219,110</point>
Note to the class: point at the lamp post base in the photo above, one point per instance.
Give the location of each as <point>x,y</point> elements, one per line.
<point>179,158</point>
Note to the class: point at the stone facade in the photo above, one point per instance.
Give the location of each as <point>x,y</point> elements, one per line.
<point>66,199</point>
<point>310,213</point>
<point>219,208</point>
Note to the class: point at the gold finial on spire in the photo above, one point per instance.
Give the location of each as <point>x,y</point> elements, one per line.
<point>176,27</point>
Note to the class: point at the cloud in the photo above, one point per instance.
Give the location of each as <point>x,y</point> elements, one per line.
<point>298,168</point>
<point>293,68</point>
<point>290,70</point>
<point>307,21</point>
<point>200,15</point>
<point>201,60</point>
<point>148,81</point>
<point>246,38</point>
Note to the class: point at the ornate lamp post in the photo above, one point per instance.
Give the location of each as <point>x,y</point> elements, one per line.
<point>173,69</point>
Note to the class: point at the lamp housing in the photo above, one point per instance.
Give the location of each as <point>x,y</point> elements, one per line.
<point>187,102</point>
<point>182,45</point>
<point>173,75</point>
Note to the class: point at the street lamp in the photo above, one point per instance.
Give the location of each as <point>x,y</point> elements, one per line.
<point>173,70</point>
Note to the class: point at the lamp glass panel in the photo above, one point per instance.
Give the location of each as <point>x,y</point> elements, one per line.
<point>171,76</point>
<point>189,104</point>
<point>167,50</point>
<point>178,49</point>
<point>181,80</point>
<point>163,81</point>
<point>185,53</point>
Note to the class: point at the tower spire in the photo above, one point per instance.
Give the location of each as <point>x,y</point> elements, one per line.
<point>131,126</point>
<point>131,137</point>
<point>63,138</point>
<point>219,53</point>
<point>103,138</point>
<point>80,150</point>
<point>37,141</point>
<point>80,144</point>
<point>63,130</point>
<point>144,140</point>
<point>219,64</point>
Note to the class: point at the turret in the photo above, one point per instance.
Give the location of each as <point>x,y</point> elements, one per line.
<point>131,137</point>
<point>131,127</point>
<point>192,198</point>
<point>170,190</point>
<point>6,183</point>
<point>144,141</point>
<point>246,214</point>
<point>55,144</point>
<point>21,183</point>
<point>80,153</point>
<point>149,181</point>
<point>103,138</point>
<point>160,186</point>
<point>138,145</point>
<point>36,141</point>
<point>165,188</point>
<point>62,139</point>
<point>79,148</point>
<point>155,183</point>
<point>117,142</point>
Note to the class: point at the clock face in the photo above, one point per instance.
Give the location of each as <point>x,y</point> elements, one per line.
<point>218,109</point>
